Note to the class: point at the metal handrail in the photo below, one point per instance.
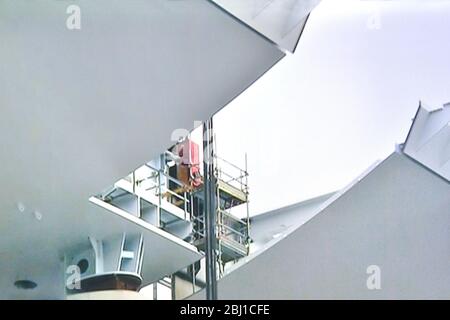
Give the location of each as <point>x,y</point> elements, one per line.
<point>162,189</point>
<point>229,175</point>
<point>241,234</point>
<point>241,179</point>
<point>161,172</point>
<point>231,164</point>
<point>233,231</point>
<point>177,195</point>
<point>229,215</point>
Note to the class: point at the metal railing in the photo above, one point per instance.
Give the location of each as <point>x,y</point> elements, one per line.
<point>159,183</point>
<point>232,228</point>
<point>158,188</point>
<point>231,173</point>
<point>229,228</point>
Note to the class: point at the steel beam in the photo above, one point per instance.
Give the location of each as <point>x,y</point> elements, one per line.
<point>210,210</point>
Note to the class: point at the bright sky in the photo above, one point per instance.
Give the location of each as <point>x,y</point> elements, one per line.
<point>325,114</point>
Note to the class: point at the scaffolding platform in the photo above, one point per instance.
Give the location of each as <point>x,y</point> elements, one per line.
<point>164,253</point>
<point>230,194</point>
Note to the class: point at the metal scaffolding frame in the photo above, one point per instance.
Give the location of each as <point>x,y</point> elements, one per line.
<point>163,200</point>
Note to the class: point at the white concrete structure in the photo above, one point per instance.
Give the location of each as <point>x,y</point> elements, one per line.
<point>428,141</point>
<point>395,217</point>
<point>281,21</point>
<point>81,108</point>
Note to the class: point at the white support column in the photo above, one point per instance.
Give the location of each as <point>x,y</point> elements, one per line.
<point>97,245</point>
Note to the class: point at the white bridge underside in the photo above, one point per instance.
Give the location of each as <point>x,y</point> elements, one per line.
<point>395,217</point>
<point>80,109</point>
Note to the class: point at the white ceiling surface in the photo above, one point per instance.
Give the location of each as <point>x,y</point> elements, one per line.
<point>396,217</point>
<point>36,249</point>
<point>282,21</point>
<point>164,254</point>
<point>80,109</point>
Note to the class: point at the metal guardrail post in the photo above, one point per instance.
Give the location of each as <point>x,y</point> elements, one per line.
<point>158,211</point>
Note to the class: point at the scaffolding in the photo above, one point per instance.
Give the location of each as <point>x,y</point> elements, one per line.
<point>232,232</point>
<point>154,194</point>
<point>148,193</point>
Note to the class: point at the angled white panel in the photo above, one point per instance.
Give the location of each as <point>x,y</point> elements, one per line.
<point>34,250</point>
<point>164,253</point>
<point>428,141</point>
<point>396,217</point>
<point>282,21</point>
<point>267,227</point>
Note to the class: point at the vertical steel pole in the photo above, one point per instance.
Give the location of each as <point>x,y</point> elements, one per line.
<point>155,291</point>
<point>247,203</point>
<point>210,210</point>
